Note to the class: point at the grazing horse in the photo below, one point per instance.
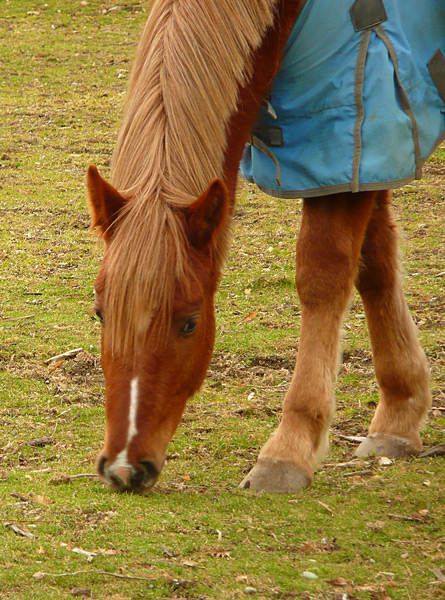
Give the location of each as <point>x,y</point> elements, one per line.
<point>201,75</point>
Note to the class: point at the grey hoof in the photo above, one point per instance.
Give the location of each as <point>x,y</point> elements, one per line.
<point>384,444</point>
<point>277,476</point>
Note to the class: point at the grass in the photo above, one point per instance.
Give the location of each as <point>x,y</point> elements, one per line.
<point>377,535</point>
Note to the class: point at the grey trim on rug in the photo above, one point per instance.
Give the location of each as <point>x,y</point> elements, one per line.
<point>344,187</point>
<point>359,107</point>
<point>403,98</point>
<point>258,143</point>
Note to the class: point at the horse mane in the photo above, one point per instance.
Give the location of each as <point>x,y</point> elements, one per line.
<point>192,59</point>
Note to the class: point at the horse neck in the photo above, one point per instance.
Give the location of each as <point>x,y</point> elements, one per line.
<point>192,61</point>
<point>266,64</point>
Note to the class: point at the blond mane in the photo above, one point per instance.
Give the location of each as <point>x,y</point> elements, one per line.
<point>193,57</point>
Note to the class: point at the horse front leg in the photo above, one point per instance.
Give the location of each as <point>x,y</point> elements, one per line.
<point>400,364</point>
<point>328,252</point>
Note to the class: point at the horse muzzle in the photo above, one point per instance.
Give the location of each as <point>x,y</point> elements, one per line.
<point>137,479</point>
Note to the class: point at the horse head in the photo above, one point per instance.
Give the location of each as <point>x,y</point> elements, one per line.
<point>158,321</point>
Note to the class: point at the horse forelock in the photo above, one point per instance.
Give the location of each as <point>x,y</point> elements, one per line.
<point>145,261</point>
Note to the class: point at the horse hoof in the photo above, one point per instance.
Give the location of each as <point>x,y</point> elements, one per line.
<point>384,444</point>
<point>277,476</point>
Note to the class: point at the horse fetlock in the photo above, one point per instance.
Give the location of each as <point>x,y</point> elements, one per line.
<point>278,476</point>
<point>383,444</point>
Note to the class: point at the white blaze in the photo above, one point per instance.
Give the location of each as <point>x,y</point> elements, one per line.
<point>134,392</point>
<point>122,457</point>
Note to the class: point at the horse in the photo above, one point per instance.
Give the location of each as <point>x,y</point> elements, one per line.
<point>202,74</point>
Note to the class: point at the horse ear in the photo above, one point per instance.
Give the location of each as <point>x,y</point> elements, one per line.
<point>104,201</point>
<point>207,216</point>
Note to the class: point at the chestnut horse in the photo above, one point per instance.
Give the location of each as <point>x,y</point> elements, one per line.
<point>202,71</point>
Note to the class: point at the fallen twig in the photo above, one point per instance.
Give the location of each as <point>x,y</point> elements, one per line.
<point>65,355</point>
<point>20,531</point>
<point>40,575</point>
<point>438,450</point>
<point>60,479</point>
<point>417,518</point>
<point>363,473</point>
<point>83,475</point>
<point>352,438</point>
<point>20,497</point>
<point>345,465</point>
<point>18,318</point>
<point>325,506</point>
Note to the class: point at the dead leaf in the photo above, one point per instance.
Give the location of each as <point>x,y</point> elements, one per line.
<point>309,547</point>
<point>341,582</point>
<point>249,317</point>
<point>338,582</point>
<point>42,499</point>
<point>82,592</point>
<point>57,365</point>
<point>438,573</point>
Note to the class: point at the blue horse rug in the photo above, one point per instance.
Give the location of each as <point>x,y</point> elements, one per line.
<point>359,103</point>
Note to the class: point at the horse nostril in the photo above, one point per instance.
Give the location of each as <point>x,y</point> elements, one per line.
<point>145,476</point>
<point>151,472</point>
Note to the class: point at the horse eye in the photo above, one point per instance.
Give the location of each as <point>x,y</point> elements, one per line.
<point>99,315</point>
<point>189,327</point>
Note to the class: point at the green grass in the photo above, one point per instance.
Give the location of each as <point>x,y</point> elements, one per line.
<point>64,71</point>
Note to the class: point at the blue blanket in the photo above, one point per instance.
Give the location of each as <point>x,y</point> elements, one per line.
<point>359,103</point>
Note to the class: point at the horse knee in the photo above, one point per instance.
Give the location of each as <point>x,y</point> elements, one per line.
<point>325,282</point>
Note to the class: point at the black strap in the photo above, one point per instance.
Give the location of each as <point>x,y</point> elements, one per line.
<point>436,67</point>
<point>366,14</point>
<point>270,135</point>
